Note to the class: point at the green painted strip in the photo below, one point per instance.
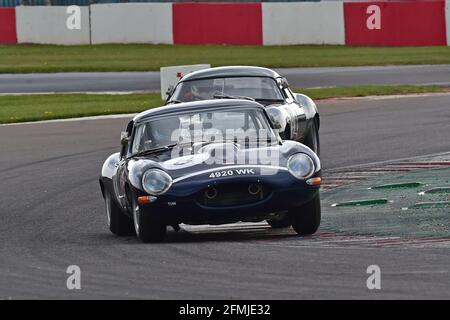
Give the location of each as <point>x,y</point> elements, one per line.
<point>403,185</point>
<point>438,190</point>
<point>431,205</point>
<point>368,202</point>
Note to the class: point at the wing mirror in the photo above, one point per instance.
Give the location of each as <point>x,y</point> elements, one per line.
<point>170,91</point>
<point>124,138</point>
<point>284,83</point>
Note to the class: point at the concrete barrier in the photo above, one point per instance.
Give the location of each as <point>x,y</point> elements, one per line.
<point>8,26</point>
<point>447,20</point>
<point>373,23</point>
<point>47,25</point>
<point>131,23</point>
<point>303,23</point>
<point>411,23</point>
<point>217,23</point>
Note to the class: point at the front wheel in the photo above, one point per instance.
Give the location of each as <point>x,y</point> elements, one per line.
<point>118,223</point>
<point>306,218</point>
<point>148,229</point>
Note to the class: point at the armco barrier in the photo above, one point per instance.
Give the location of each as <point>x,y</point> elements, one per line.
<point>412,23</point>
<point>131,23</point>
<point>7,26</point>
<point>303,23</point>
<point>217,23</point>
<point>47,25</point>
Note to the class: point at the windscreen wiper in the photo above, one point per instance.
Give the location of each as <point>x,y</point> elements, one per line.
<point>154,150</point>
<point>163,148</point>
<point>174,101</point>
<point>257,141</point>
<point>270,100</point>
<point>226,96</point>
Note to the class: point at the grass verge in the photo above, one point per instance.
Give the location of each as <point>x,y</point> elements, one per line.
<point>145,57</point>
<point>371,90</point>
<point>58,106</point>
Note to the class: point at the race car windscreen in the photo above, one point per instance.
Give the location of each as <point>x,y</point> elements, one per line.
<point>246,126</point>
<point>258,88</point>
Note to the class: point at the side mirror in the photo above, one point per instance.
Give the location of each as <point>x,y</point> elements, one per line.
<point>124,139</point>
<point>170,91</point>
<point>276,118</point>
<point>284,83</point>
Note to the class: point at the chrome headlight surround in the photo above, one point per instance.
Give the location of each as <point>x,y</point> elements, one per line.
<point>156,181</point>
<point>301,166</point>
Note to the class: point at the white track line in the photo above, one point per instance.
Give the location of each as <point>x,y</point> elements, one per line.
<point>106,117</point>
<point>112,93</point>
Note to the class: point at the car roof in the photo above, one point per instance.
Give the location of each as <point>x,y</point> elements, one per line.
<point>196,106</point>
<point>233,71</point>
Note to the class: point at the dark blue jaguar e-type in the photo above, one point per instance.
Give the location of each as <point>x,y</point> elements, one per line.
<point>209,162</point>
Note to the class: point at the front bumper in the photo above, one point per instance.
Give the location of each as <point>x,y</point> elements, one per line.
<point>181,203</point>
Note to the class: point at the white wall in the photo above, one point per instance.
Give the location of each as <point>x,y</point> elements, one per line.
<point>131,23</point>
<point>447,20</point>
<point>47,25</point>
<point>303,23</point>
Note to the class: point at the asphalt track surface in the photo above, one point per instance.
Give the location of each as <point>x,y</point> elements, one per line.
<point>297,77</point>
<point>52,216</point>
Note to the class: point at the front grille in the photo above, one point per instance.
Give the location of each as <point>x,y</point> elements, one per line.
<point>233,194</point>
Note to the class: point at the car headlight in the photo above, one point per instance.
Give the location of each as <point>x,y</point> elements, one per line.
<point>301,166</point>
<point>156,181</point>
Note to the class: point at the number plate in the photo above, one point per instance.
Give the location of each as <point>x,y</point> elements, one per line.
<point>233,172</point>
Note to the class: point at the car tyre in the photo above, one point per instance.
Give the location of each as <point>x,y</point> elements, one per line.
<point>312,139</point>
<point>148,229</point>
<point>306,218</point>
<point>118,223</point>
